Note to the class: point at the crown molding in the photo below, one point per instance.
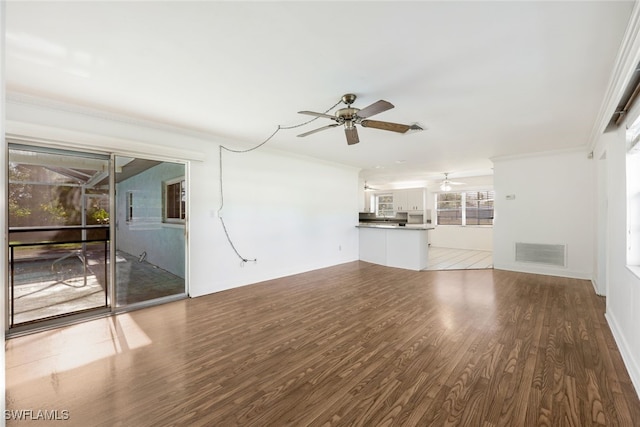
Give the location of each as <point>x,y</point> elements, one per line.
<point>21,132</point>
<point>626,62</point>
<point>18,98</point>
<point>573,150</point>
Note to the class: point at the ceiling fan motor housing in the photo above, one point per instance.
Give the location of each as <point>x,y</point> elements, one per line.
<point>346,114</point>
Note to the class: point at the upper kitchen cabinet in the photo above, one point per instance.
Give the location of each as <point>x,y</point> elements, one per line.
<point>400,200</point>
<point>409,200</point>
<point>415,199</point>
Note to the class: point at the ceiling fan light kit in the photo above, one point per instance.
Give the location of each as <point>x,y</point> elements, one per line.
<point>350,116</point>
<point>446,184</point>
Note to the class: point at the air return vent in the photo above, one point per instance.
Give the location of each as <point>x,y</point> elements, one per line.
<point>541,254</point>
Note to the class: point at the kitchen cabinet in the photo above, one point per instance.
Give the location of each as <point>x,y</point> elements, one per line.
<point>400,201</point>
<point>408,200</point>
<point>415,199</point>
<point>400,247</point>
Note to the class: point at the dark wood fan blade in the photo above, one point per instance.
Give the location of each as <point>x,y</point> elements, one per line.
<point>313,113</point>
<point>393,127</point>
<point>352,135</point>
<point>375,108</point>
<point>319,129</point>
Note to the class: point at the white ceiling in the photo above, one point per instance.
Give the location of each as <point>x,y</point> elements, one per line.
<point>485,79</point>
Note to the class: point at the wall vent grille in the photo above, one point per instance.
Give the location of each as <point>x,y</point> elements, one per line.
<point>538,253</point>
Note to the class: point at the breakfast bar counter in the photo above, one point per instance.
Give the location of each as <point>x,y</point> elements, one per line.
<point>394,245</point>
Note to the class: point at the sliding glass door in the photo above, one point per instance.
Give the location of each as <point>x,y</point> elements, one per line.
<point>79,221</point>
<point>58,234</point>
<point>149,231</point>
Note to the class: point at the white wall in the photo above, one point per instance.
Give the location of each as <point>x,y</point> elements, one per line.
<point>601,231</point>
<point>454,236</point>
<point>622,286</point>
<point>553,205</point>
<point>291,213</point>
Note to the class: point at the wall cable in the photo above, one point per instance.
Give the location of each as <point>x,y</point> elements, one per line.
<point>222,148</point>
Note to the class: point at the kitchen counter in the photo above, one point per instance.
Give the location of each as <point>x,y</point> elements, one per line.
<point>393,246</point>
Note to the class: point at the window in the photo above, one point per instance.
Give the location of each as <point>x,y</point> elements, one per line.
<point>384,205</point>
<point>633,197</point>
<point>449,208</point>
<point>465,208</point>
<point>129,206</point>
<point>479,208</point>
<point>174,201</point>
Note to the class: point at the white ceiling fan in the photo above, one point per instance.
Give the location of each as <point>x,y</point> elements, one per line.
<point>446,184</point>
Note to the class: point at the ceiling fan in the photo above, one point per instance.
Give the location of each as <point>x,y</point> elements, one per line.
<point>446,184</point>
<point>367,187</point>
<point>351,116</point>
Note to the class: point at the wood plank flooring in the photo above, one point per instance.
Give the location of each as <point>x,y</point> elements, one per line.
<point>355,344</point>
<point>458,259</point>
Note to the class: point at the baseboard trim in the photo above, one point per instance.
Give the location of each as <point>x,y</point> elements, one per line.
<point>572,274</point>
<point>627,356</point>
<point>595,288</point>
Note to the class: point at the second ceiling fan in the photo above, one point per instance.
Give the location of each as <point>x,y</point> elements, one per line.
<point>447,183</point>
<point>351,116</point>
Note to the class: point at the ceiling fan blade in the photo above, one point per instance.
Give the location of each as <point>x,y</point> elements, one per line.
<point>319,129</point>
<point>368,188</point>
<point>393,127</point>
<point>312,113</point>
<point>375,108</point>
<point>352,135</point>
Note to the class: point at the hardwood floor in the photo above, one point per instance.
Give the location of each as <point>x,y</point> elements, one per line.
<point>355,344</point>
<point>458,259</point>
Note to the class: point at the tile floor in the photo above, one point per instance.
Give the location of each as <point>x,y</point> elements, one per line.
<point>138,281</point>
<point>458,259</point>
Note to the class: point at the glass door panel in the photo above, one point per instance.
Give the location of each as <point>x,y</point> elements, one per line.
<point>150,206</point>
<point>58,233</point>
